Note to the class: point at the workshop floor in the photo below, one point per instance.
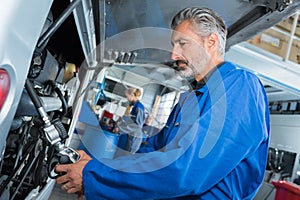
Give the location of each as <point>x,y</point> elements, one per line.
<point>58,194</point>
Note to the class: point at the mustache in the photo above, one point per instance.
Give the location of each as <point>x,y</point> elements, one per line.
<point>175,64</point>
<point>178,62</point>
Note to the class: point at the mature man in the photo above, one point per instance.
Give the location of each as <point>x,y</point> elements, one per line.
<point>215,142</point>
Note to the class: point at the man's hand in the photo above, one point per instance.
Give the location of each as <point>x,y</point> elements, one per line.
<point>72,179</point>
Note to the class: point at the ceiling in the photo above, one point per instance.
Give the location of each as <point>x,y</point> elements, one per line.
<point>150,20</point>
<point>143,26</point>
<point>244,19</point>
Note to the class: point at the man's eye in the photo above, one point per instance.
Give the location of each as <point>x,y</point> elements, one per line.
<point>182,43</point>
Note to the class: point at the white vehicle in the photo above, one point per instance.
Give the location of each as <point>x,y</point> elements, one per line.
<point>39,41</point>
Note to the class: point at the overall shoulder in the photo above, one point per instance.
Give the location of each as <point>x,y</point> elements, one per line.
<point>232,68</point>
<point>238,73</point>
<point>139,105</point>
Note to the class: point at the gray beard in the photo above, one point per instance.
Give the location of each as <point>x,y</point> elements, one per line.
<point>187,73</point>
<point>192,71</point>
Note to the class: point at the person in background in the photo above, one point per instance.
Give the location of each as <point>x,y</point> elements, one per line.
<point>135,119</point>
<point>215,142</point>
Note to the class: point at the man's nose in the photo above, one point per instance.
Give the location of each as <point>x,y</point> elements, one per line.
<point>175,55</point>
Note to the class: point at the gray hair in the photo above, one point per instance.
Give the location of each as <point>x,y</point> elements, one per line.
<point>205,21</point>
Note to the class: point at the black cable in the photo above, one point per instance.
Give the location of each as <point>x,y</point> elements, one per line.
<point>34,97</point>
<point>63,100</point>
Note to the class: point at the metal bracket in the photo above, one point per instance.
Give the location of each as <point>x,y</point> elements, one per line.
<point>52,134</point>
<point>274,5</point>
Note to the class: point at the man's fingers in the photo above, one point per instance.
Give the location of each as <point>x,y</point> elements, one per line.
<point>69,189</point>
<point>64,187</point>
<point>62,179</point>
<point>71,179</point>
<point>83,155</point>
<point>61,168</point>
<point>73,190</point>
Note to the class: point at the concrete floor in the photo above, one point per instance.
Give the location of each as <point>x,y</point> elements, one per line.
<point>59,194</point>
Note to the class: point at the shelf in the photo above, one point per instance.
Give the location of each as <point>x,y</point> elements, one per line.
<point>283,39</point>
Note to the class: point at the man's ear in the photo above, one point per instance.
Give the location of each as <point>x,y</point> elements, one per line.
<point>212,41</point>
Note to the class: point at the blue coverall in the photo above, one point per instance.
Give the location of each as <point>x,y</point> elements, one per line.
<point>137,115</point>
<point>214,146</point>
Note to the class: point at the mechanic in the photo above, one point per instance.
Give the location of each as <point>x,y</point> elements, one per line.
<point>134,121</point>
<point>215,142</point>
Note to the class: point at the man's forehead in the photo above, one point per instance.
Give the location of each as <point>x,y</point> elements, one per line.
<point>176,35</point>
<point>184,33</point>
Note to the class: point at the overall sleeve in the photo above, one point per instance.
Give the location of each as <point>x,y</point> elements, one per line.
<point>158,140</point>
<point>218,153</point>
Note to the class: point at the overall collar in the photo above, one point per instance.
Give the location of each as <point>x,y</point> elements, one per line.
<point>199,86</point>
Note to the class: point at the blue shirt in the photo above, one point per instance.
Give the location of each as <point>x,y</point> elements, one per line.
<point>137,113</point>
<point>214,146</point>
<point>135,137</point>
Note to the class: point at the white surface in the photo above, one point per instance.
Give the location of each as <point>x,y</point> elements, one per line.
<point>284,75</point>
